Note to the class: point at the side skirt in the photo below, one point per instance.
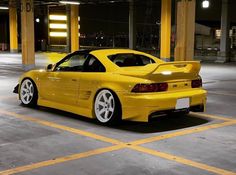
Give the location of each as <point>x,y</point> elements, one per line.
<point>68,108</point>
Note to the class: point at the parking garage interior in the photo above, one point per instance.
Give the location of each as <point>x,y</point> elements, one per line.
<point>47,141</point>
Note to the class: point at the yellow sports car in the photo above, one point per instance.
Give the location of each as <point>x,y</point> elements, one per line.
<point>114,84</point>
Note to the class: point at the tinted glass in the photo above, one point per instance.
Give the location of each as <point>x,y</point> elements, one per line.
<point>93,65</point>
<point>72,63</point>
<point>127,60</point>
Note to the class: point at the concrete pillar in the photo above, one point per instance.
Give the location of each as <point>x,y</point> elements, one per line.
<point>68,39</point>
<point>185,30</point>
<point>165,29</point>
<point>13,26</point>
<point>27,32</point>
<point>223,55</point>
<point>74,28</point>
<point>132,25</point>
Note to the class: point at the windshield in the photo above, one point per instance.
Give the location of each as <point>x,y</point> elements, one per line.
<point>128,60</point>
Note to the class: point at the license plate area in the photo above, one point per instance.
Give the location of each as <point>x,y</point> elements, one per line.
<point>182,103</point>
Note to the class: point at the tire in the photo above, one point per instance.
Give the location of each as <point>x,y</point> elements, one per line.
<point>107,108</point>
<point>28,93</point>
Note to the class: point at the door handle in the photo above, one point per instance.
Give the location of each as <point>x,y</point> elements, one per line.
<point>74,80</point>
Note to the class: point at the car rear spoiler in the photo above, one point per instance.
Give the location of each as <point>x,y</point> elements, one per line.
<point>188,67</point>
<point>177,67</point>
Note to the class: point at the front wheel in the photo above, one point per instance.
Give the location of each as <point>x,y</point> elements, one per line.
<point>28,93</point>
<point>107,107</point>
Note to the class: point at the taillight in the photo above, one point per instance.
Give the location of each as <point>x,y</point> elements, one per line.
<point>197,83</point>
<point>154,87</point>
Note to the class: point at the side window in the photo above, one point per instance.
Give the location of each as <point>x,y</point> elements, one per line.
<point>92,64</point>
<point>73,63</point>
<point>128,60</point>
<point>145,60</point>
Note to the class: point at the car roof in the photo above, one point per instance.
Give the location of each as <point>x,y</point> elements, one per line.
<point>102,55</point>
<point>108,52</point>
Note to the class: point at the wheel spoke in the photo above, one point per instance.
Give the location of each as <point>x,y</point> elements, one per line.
<point>27,85</point>
<point>101,111</point>
<point>111,109</point>
<point>106,114</point>
<point>101,103</point>
<point>31,88</point>
<point>110,99</point>
<point>28,98</point>
<point>23,96</point>
<point>24,89</point>
<point>104,97</point>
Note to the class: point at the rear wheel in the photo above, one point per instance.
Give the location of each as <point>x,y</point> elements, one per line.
<point>107,107</point>
<point>28,93</point>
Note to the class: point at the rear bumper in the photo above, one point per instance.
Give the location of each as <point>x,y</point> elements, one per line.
<point>138,107</point>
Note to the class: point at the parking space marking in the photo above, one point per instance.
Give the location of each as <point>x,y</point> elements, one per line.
<point>120,145</point>
<point>182,160</point>
<point>114,141</point>
<point>182,132</point>
<point>212,116</point>
<point>61,160</point>
<point>62,127</point>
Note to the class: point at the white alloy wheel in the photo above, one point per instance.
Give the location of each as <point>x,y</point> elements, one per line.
<point>104,106</point>
<point>27,91</point>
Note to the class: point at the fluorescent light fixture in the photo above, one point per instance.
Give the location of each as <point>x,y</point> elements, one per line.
<point>58,34</point>
<point>205,4</point>
<point>166,73</point>
<point>58,17</point>
<point>70,2</point>
<point>3,8</point>
<point>57,26</point>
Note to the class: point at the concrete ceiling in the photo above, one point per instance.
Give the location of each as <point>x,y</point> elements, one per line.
<point>56,2</point>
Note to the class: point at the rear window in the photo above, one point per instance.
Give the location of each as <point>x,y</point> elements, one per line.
<point>127,60</point>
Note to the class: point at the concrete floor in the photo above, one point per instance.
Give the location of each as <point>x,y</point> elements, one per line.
<point>44,141</point>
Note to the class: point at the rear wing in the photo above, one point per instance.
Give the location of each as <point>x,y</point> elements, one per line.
<point>177,67</point>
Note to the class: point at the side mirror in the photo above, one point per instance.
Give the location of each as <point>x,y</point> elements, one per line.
<point>49,67</point>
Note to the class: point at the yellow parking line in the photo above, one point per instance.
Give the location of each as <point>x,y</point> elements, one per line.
<point>61,160</point>
<point>120,145</point>
<point>183,161</point>
<point>182,132</point>
<point>62,127</point>
<point>212,116</point>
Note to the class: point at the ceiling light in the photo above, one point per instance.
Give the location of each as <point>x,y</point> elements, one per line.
<point>70,2</point>
<point>205,4</point>
<point>3,8</point>
<point>57,26</point>
<point>58,17</point>
<point>58,34</point>
<point>37,20</point>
